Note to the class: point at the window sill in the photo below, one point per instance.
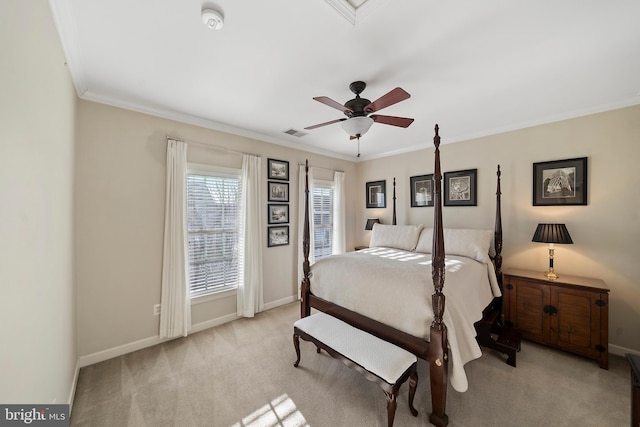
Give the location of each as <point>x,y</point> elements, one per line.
<point>214,296</point>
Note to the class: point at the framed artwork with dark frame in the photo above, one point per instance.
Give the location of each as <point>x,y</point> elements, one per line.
<point>376,194</point>
<point>460,188</point>
<point>278,169</point>
<point>421,190</point>
<point>278,214</point>
<point>278,235</point>
<point>560,182</point>
<point>278,191</point>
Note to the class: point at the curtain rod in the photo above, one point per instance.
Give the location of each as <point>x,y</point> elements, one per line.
<point>320,167</point>
<point>215,147</point>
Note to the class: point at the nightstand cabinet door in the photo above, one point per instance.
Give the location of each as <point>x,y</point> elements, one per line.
<point>569,313</point>
<point>576,328</point>
<point>525,309</point>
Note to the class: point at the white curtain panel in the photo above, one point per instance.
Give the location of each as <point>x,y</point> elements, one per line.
<point>250,286</point>
<point>338,242</point>
<point>301,200</point>
<point>175,312</point>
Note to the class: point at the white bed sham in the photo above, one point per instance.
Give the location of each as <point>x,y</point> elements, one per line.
<point>394,287</point>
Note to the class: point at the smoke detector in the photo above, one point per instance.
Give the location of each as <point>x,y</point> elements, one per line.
<point>212,19</point>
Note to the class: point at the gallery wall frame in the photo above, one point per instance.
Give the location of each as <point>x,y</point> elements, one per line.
<point>278,213</point>
<point>421,187</point>
<point>278,169</point>
<point>560,182</point>
<point>278,191</point>
<point>278,235</point>
<point>375,193</point>
<point>460,188</point>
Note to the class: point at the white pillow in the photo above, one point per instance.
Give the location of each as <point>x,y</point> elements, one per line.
<point>425,242</point>
<point>473,244</point>
<point>403,237</point>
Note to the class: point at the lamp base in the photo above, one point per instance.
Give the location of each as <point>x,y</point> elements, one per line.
<point>551,275</point>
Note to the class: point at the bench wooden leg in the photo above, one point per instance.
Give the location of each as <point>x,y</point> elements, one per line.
<point>392,404</point>
<point>296,344</point>
<point>413,384</point>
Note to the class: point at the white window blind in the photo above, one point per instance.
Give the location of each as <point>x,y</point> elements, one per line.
<point>322,218</point>
<point>213,223</point>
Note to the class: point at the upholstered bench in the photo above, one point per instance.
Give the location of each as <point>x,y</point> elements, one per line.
<point>385,364</point>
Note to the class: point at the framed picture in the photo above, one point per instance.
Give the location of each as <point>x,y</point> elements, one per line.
<point>421,190</point>
<point>460,188</point>
<point>278,191</point>
<point>560,182</point>
<point>278,214</point>
<point>278,236</point>
<point>376,191</point>
<point>278,169</point>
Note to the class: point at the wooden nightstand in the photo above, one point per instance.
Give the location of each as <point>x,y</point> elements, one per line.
<point>569,313</point>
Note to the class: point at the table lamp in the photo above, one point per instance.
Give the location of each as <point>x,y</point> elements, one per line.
<point>551,234</point>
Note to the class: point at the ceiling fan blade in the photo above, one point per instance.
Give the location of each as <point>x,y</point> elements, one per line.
<point>393,97</point>
<point>331,103</point>
<point>402,122</point>
<point>324,124</point>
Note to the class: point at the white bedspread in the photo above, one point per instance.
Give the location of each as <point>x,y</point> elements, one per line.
<point>395,287</point>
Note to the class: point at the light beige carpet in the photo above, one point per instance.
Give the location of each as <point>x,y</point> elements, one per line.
<point>242,374</point>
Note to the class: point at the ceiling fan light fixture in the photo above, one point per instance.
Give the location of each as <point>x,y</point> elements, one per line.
<point>357,126</point>
<point>212,19</point>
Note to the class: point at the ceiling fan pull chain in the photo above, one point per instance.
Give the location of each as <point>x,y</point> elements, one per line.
<point>358,146</point>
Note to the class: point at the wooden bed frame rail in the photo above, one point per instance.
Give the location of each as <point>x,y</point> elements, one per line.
<point>436,351</point>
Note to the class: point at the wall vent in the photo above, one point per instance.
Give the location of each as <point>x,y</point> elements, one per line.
<point>295,132</point>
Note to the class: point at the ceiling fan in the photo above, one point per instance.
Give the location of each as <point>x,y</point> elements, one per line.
<point>357,110</point>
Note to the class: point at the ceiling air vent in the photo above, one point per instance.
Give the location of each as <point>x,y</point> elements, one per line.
<point>295,132</point>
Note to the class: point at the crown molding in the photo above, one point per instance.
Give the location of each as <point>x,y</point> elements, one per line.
<point>206,123</point>
<point>351,13</point>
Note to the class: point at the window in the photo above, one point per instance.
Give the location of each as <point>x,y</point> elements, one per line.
<point>322,218</point>
<point>213,228</point>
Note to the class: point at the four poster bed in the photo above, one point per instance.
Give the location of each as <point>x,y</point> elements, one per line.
<point>384,290</point>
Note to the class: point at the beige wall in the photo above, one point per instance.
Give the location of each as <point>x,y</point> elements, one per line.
<point>118,171</point>
<point>120,223</point>
<point>606,232</point>
<point>38,355</point>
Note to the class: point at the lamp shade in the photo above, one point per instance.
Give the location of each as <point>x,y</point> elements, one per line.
<point>370,222</point>
<point>552,233</point>
<point>357,126</point>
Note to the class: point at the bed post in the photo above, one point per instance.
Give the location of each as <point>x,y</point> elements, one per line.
<point>394,201</point>
<point>492,332</point>
<point>497,237</point>
<point>438,356</point>
<point>305,309</point>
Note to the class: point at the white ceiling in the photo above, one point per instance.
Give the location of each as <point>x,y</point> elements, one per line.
<point>475,67</point>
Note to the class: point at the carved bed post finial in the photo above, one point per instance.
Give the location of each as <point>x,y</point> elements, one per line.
<point>305,309</point>
<point>394,201</point>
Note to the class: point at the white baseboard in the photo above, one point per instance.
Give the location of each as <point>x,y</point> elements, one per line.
<point>74,383</point>
<point>103,355</point>
<point>621,351</point>
<point>280,302</point>
<point>110,353</point>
